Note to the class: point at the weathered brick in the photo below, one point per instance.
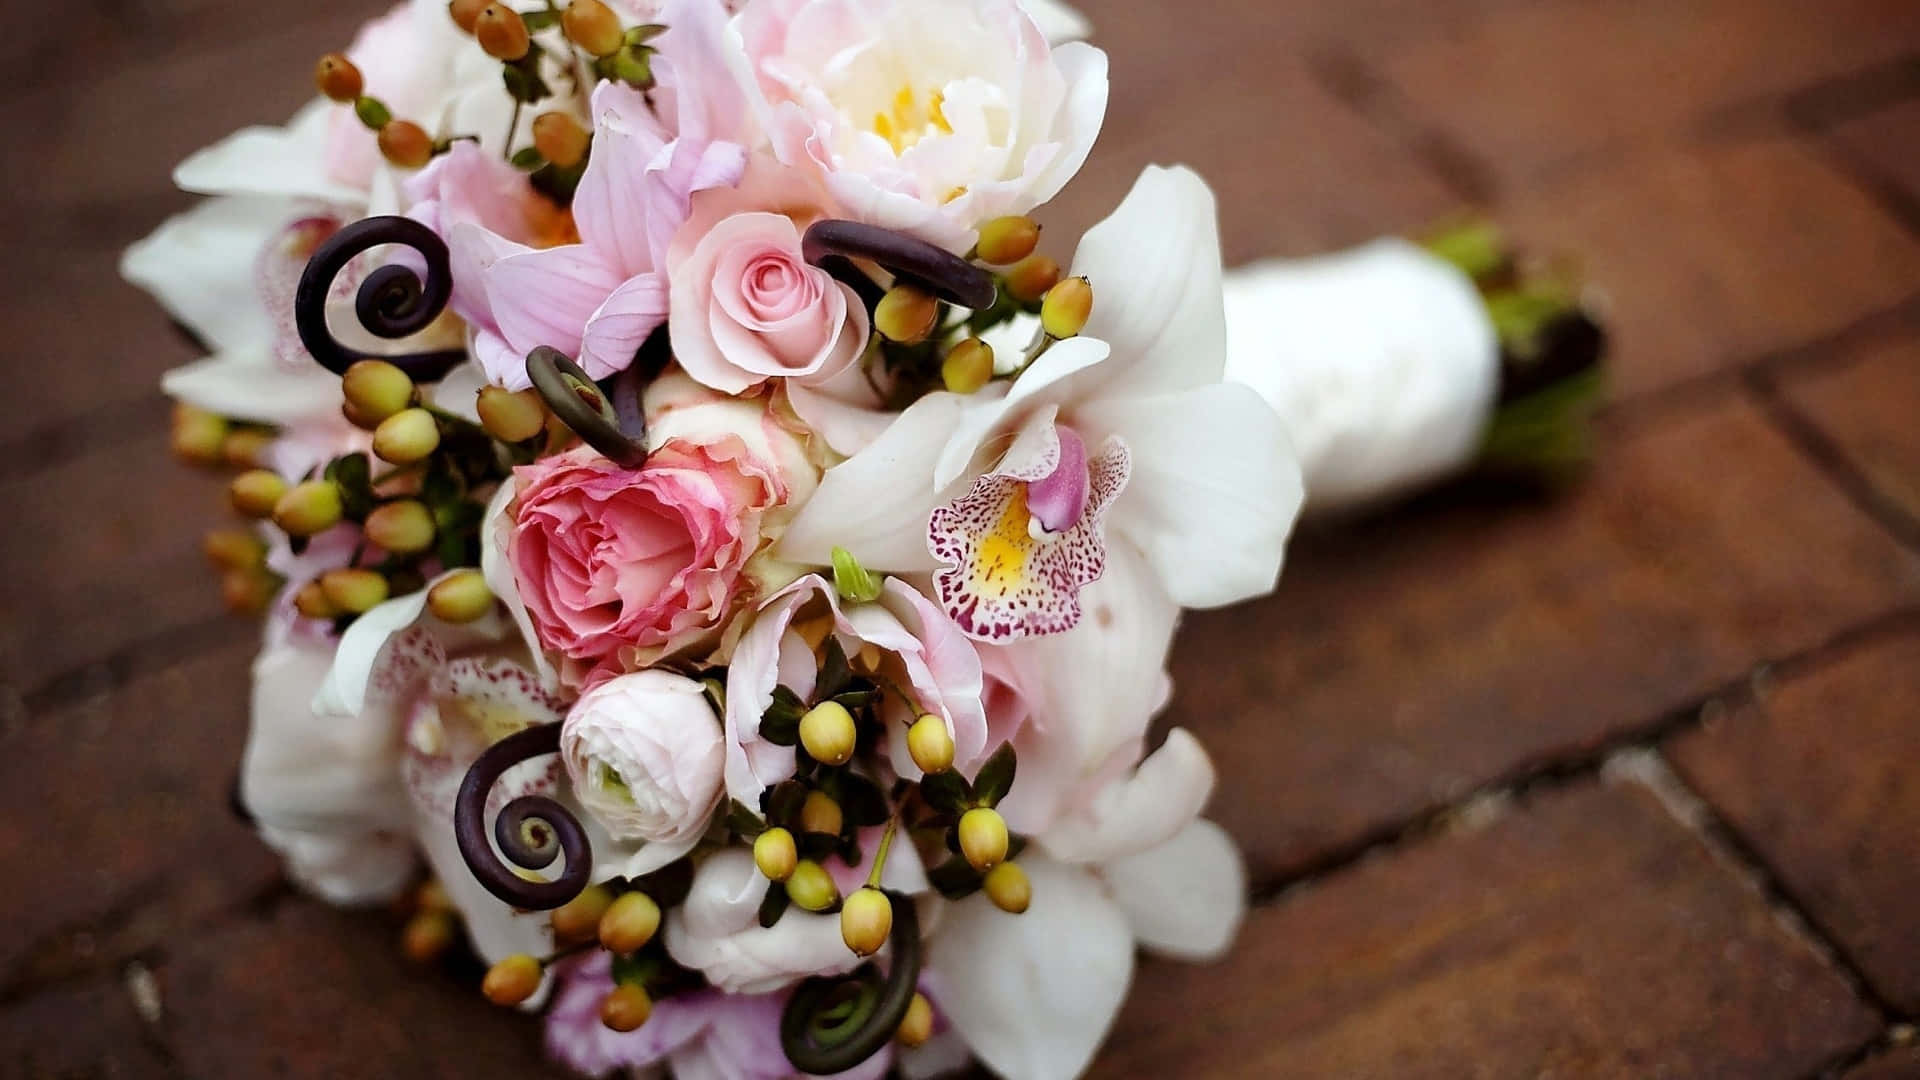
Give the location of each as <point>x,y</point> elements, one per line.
<point>1867,407</point>
<point>1300,174</point>
<point>1761,246</point>
<point>1898,1064</point>
<point>114,809</point>
<point>86,1032</point>
<point>1584,934</point>
<point>1815,776</point>
<point>101,551</point>
<point>1886,141</point>
<point>1412,658</point>
<point>313,992</point>
<point>1551,87</point>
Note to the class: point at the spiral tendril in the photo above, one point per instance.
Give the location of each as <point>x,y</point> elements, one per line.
<point>616,428</point>
<point>832,1024</point>
<point>392,302</point>
<point>531,830</point>
<point>833,244</point>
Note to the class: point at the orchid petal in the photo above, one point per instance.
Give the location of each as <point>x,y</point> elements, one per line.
<point>546,297</point>
<point>1214,492</point>
<point>1185,898</point>
<point>621,324</point>
<point>200,266</point>
<point>311,772</point>
<point>1049,382</point>
<point>288,162</point>
<point>1155,270</point>
<point>346,869</point>
<point>1140,811</point>
<point>1035,993</point>
<point>611,204</point>
<point>876,503</point>
<point>248,384</point>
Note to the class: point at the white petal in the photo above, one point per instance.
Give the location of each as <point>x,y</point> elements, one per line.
<point>346,869</point>
<point>248,384</point>
<point>289,162</point>
<point>1052,379</point>
<point>1057,21</point>
<point>1080,117</point>
<point>1381,361</point>
<point>1214,492</point>
<point>1140,811</point>
<point>876,503</point>
<point>496,528</point>
<point>1185,898</point>
<point>1155,270</point>
<point>344,692</point>
<point>201,266</point>
<point>1034,994</point>
<point>306,771</point>
<point>459,392</point>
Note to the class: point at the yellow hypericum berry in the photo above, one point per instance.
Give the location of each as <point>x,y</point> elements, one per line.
<point>376,389</point>
<point>865,921</point>
<point>560,139</point>
<point>502,33</point>
<point>337,78</point>
<point>630,922</point>
<point>198,435</point>
<point>406,437</point>
<point>775,853</point>
<point>917,1026</point>
<point>354,591</point>
<point>427,936</point>
<point>1029,279</point>
<point>466,13</point>
<point>828,733</point>
<point>248,592</point>
<point>405,144</point>
<point>810,887</point>
<point>983,838</point>
<point>512,980</point>
<point>626,1008</point>
<point>243,447</point>
<point>593,26</point>
<point>1007,240</point>
<point>404,526</point>
<point>820,814</point>
<point>906,314</point>
<point>460,597</point>
<point>511,416</point>
<point>968,367</point>
<point>432,896</point>
<point>234,549</point>
<point>1064,313</point>
<point>308,508</point>
<point>1007,886</point>
<point>930,744</point>
<point>578,919</point>
<point>311,601</point>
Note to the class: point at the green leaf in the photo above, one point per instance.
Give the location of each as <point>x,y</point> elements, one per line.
<point>373,115</point>
<point>783,802</point>
<point>636,969</point>
<point>861,801</point>
<point>855,700</point>
<point>836,675</point>
<point>947,792</point>
<point>528,158</point>
<point>670,884</point>
<point>995,778</point>
<point>773,905</point>
<point>955,879</point>
<point>851,580</point>
<point>540,20</point>
<point>780,723</point>
<point>353,475</point>
<point>742,820</point>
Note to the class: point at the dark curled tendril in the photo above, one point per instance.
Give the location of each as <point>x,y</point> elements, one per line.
<point>831,245</point>
<point>531,830</point>
<point>832,1024</point>
<point>615,428</point>
<point>392,302</point>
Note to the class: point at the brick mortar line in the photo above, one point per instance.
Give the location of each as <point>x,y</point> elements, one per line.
<point>1352,82</point>
<point>1731,847</point>
<point>1886,192</point>
<point>1815,107</point>
<point>112,672</point>
<point>1556,773</point>
<point>1898,1035</point>
<point>1813,443</point>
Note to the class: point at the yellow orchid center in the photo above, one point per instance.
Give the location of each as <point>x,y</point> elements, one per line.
<point>909,120</point>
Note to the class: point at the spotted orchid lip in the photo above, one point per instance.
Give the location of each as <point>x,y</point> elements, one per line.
<point>1058,500</point>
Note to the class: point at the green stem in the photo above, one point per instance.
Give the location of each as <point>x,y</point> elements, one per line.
<point>513,125</point>
<point>880,857</point>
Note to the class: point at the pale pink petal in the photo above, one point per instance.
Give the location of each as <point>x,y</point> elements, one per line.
<point>546,297</point>
<point>621,324</point>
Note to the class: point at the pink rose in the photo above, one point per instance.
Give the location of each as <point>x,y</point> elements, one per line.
<point>620,567</point>
<point>746,307</point>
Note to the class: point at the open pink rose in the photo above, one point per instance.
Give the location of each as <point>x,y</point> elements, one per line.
<point>619,567</point>
<point>746,307</point>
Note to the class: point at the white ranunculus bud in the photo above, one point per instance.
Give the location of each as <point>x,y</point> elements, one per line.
<point>1381,360</point>
<point>645,755</point>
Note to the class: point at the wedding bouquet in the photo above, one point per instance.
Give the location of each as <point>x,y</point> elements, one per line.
<point>695,515</point>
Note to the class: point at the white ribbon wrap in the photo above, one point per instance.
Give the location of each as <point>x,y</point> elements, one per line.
<point>1380,359</point>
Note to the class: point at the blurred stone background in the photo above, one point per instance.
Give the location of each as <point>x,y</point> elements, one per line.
<point>1610,784</point>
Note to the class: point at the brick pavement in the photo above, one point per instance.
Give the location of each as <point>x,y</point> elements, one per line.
<point>1609,784</point>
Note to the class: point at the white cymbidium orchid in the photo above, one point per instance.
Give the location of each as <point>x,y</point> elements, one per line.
<point>1034,994</point>
<point>1382,360</point>
<point>1207,484</point>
